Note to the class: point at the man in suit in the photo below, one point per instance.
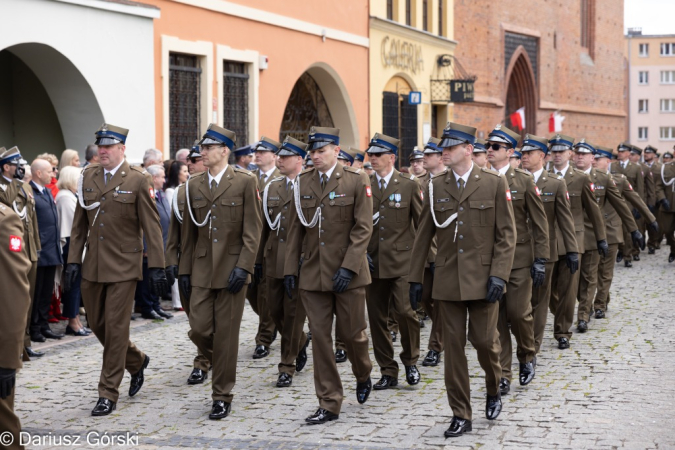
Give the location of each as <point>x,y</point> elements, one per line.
<point>529,262</point>
<point>469,210</point>
<point>635,177</point>
<point>15,301</point>
<point>219,242</point>
<point>286,310</point>
<point>116,209</point>
<point>330,227</point>
<point>50,255</point>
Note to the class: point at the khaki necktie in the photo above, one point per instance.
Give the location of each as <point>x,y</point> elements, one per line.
<point>460,186</point>
<point>382,185</point>
<point>324,181</point>
<point>214,185</point>
<point>559,174</point>
<point>108,176</point>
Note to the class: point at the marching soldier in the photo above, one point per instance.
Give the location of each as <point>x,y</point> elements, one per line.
<point>359,157</point>
<point>332,223</point>
<point>529,262</point>
<point>565,284</point>
<point>416,161</point>
<point>200,370</point>
<point>116,209</point>
<point>219,242</point>
<point>652,162</point>
<point>14,267</point>
<point>648,194</point>
<point>635,177</point>
<point>286,310</point>
<point>479,155</point>
<point>469,211</point>
<point>665,198</point>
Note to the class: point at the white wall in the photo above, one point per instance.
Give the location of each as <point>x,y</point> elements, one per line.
<point>111,45</point>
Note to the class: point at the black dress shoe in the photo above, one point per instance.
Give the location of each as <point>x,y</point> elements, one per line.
<point>137,379</point>
<point>457,427</point>
<point>671,257</point>
<point>284,380</point>
<point>38,338</point>
<point>628,263</point>
<point>198,376</point>
<point>103,407</point>
<point>220,410</point>
<point>340,356</point>
<point>651,251</point>
<point>433,358</point>
<point>504,386</point>
<point>412,375</point>
<point>493,406</point>
<point>563,343</point>
<point>363,390</point>
<point>260,352</point>
<point>80,332</point>
<point>164,314</point>
<point>636,257</point>
<point>599,314</point>
<point>321,416</point>
<point>393,336</point>
<point>526,373</point>
<point>619,256</point>
<point>301,359</point>
<point>582,326</point>
<point>49,334</point>
<point>152,315</point>
<point>385,382</point>
<point>33,353</point>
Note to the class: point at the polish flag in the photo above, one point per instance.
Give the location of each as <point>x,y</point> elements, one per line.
<point>518,119</point>
<point>555,122</point>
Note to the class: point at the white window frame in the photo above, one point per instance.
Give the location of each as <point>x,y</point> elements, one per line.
<point>644,110</point>
<point>643,77</point>
<point>667,49</point>
<point>667,105</point>
<point>643,133</point>
<point>667,133</point>
<point>645,53</point>
<point>668,75</point>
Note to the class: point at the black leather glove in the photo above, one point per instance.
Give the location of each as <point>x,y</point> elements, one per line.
<point>257,274</point>
<point>236,280</point>
<point>638,239</point>
<point>603,248</point>
<point>70,276</point>
<point>7,381</point>
<point>371,266</point>
<point>495,289</point>
<point>538,272</point>
<point>159,285</point>
<point>415,295</point>
<point>654,227</point>
<point>432,267</point>
<point>289,284</point>
<point>572,260</point>
<point>185,286</point>
<point>341,279</point>
<point>636,214</point>
<point>171,274</point>
<point>665,204</point>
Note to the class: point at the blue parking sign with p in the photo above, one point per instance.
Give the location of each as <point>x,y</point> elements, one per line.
<point>414,98</point>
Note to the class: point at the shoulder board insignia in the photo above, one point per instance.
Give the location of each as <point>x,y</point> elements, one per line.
<point>524,172</point>
<point>351,169</point>
<point>307,170</point>
<point>247,172</point>
<point>276,179</point>
<point>491,172</point>
<point>139,169</point>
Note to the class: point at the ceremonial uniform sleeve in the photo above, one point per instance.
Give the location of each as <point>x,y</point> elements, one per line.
<point>564,218</point>
<point>614,197</point>
<point>423,237</point>
<point>295,236</point>
<point>504,248</point>
<point>173,240</point>
<point>640,180</point>
<point>659,191</point>
<point>634,198</point>
<point>535,209</point>
<point>78,235</point>
<point>416,204</point>
<point>263,240</point>
<point>252,226</point>
<point>359,236</point>
<point>152,229</point>
<point>188,236</point>
<point>593,210</point>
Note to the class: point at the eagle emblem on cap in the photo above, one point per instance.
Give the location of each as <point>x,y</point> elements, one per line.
<point>582,141</point>
<point>498,126</point>
<point>557,136</point>
<point>104,127</point>
<point>527,136</point>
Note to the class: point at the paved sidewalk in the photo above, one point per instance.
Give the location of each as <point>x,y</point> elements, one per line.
<point>612,389</point>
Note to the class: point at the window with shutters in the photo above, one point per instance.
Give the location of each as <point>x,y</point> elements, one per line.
<point>235,100</point>
<point>184,101</point>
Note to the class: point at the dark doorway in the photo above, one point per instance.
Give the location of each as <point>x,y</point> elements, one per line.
<point>306,107</point>
<point>521,92</point>
<point>399,120</point>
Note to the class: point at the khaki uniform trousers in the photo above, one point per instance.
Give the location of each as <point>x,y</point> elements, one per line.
<point>436,333</point>
<point>483,335</point>
<point>605,276</point>
<point>32,276</point>
<point>628,249</point>
<point>257,298</point>
<point>200,362</point>
<point>350,313</point>
<point>669,229</point>
<point>108,308</point>
<point>9,422</point>
<point>385,296</point>
<point>564,287</point>
<point>655,239</point>
<point>215,320</point>
<point>588,281</point>
<point>540,299</point>
<point>288,315</point>
<point>516,309</point>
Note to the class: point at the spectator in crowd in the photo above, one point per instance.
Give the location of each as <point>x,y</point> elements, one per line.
<point>69,158</point>
<point>178,174</point>
<point>152,156</point>
<point>66,201</point>
<point>54,161</point>
<point>182,155</point>
<point>91,154</point>
<point>50,256</point>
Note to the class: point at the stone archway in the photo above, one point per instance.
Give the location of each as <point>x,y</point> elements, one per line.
<point>521,90</point>
<point>46,104</point>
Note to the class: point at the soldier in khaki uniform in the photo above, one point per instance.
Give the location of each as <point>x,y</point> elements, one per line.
<point>265,159</point>
<point>613,221</point>
<point>19,196</point>
<point>397,203</point>
<point>286,311</point>
<point>665,199</point>
<point>359,157</point>
<point>220,236</point>
<point>331,226</point>
<point>647,195</point>
<point>469,210</point>
<point>652,163</point>
<point>565,284</point>
<point>635,177</point>
<point>116,209</point>
<point>529,262</point>
<point>416,161</point>
<point>14,267</point>
<point>200,370</point>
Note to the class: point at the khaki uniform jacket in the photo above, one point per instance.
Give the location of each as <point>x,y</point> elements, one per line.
<point>15,299</point>
<point>230,238</point>
<point>23,194</point>
<point>580,190</point>
<point>606,191</point>
<point>634,174</point>
<point>484,244</point>
<point>272,251</point>
<point>612,218</point>
<point>172,252</point>
<point>115,240</point>
<point>393,236</point>
<point>663,191</point>
<point>532,235</point>
<point>650,189</point>
<point>342,238</point>
<point>561,235</point>
<point>424,184</point>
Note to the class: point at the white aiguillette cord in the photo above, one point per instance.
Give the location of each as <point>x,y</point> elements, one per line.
<point>174,206</point>
<point>663,177</point>
<point>273,225</point>
<point>80,198</point>
<point>189,207</point>
<point>431,207</point>
<point>296,197</point>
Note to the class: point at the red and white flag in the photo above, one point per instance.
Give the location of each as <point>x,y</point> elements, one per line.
<point>555,122</point>
<point>518,119</point>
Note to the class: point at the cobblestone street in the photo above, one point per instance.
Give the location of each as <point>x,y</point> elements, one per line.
<point>610,390</point>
